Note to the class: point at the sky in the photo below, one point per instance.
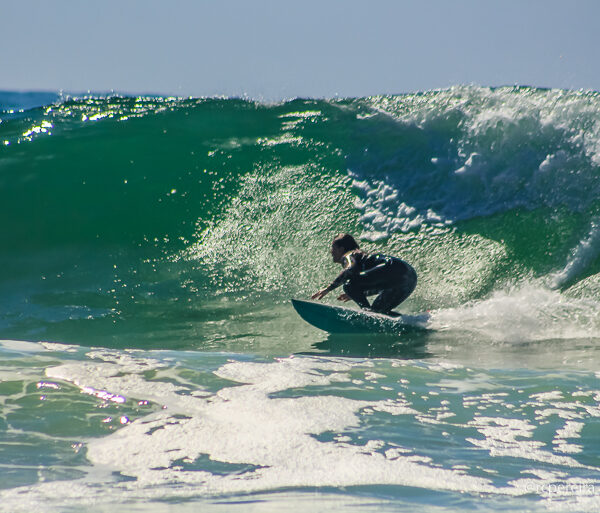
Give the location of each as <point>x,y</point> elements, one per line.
<point>272,50</point>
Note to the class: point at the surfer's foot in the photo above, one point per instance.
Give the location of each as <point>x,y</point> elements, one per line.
<point>370,309</point>
<point>389,313</point>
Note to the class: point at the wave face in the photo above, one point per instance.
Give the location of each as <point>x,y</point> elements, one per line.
<point>117,209</point>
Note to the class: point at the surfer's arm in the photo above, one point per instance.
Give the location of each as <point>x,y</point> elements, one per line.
<point>321,294</point>
<point>334,285</point>
<point>347,273</point>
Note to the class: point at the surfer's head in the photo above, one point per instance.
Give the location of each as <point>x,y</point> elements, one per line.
<point>341,244</point>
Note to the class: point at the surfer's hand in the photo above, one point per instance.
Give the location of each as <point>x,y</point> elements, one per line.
<point>320,294</point>
<point>344,298</point>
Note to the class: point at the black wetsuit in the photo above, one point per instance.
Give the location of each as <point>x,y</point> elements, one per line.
<point>369,274</point>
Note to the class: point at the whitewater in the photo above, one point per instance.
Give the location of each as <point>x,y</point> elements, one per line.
<point>150,358</point>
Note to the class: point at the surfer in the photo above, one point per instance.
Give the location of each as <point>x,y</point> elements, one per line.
<point>364,274</point>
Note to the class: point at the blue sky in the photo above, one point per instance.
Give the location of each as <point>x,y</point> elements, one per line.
<point>281,49</point>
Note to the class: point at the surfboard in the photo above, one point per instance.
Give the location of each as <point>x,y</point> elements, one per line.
<point>341,319</point>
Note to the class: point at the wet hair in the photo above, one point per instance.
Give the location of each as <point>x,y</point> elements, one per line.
<point>345,241</point>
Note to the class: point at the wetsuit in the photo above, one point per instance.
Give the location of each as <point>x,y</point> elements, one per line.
<point>369,274</point>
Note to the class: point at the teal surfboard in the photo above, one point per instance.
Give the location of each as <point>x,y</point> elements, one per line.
<point>341,319</point>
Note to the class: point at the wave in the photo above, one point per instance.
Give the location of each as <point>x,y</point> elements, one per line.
<point>480,188</point>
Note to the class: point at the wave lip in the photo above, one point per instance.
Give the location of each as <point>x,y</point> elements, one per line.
<point>466,152</point>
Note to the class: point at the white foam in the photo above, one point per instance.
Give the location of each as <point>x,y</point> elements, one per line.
<point>553,161</point>
<point>117,377</point>
<point>22,346</point>
<point>572,429</point>
<point>279,421</point>
<point>53,346</point>
<point>384,214</point>
<point>523,313</point>
<point>509,437</point>
<point>586,252</point>
<point>246,424</point>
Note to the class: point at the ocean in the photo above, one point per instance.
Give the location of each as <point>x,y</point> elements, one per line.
<point>150,359</point>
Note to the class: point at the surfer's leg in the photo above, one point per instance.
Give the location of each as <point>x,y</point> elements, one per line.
<point>369,283</point>
<point>353,289</point>
<point>392,297</point>
<point>394,283</point>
